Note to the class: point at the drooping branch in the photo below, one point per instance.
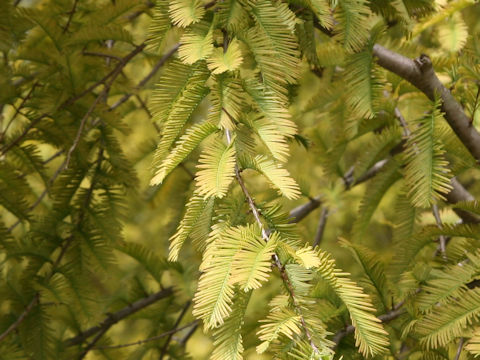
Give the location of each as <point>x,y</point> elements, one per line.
<point>420,73</point>
<point>266,236</point>
<point>114,318</point>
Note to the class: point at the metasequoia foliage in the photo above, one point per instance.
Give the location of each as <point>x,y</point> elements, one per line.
<point>158,158</point>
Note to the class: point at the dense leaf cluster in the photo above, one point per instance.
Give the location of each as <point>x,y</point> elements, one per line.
<point>150,152</point>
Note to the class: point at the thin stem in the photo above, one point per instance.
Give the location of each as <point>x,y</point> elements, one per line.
<point>22,317</point>
<point>108,56</point>
<point>321,226</point>
<point>192,324</point>
<point>170,336</point>
<point>459,349</point>
<point>276,259</point>
<point>114,318</point>
<point>70,16</point>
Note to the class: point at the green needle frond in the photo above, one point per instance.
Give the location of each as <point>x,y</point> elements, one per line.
<point>217,169</point>
<point>186,12</point>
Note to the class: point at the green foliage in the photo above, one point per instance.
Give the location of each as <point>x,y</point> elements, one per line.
<point>151,151</point>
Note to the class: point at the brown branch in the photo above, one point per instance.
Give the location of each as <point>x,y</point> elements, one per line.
<point>167,342</point>
<point>459,349</point>
<point>300,212</point>
<point>22,135</point>
<point>22,317</point>
<point>114,318</point>
<point>70,16</point>
<point>193,325</point>
<point>457,194</point>
<point>189,334</point>
<point>98,54</point>
<point>20,107</point>
<point>82,126</point>
<point>321,227</point>
<point>419,72</point>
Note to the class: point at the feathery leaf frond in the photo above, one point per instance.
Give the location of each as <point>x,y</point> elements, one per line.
<point>217,169</point>
<point>186,12</point>
<point>426,171</point>
<point>184,146</point>
<point>276,175</point>
<point>220,61</point>
<point>370,336</point>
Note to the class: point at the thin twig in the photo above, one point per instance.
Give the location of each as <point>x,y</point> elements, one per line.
<point>70,16</point>
<point>276,259</point>
<point>108,56</point>
<point>20,107</point>
<point>192,324</point>
<point>138,49</point>
<point>179,319</point>
<point>82,126</point>
<point>459,349</point>
<point>112,319</point>
<point>189,334</point>
<point>22,317</point>
<point>22,135</point>
<point>321,226</point>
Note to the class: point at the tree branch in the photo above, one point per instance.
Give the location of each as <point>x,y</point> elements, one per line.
<point>22,317</point>
<point>276,259</point>
<point>112,319</point>
<point>167,342</point>
<point>192,324</point>
<point>321,227</point>
<point>419,72</point>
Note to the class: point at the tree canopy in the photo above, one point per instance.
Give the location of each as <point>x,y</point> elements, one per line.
<point>239,179</point>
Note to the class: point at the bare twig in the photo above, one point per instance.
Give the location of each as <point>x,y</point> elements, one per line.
<point>108,56</point>
<point>192,325</point>
<point>20,107</point>
<point>180,317</point>
<point>112,319</point>
<point>321,226</point>
<point>22,135</point>
<point>22,317</point>
<point>113,73</point>
<point>70,16</point>
<point>459,349</point>
<point>300,212</point>
<point>82,126</point>
<point>189,334</point>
